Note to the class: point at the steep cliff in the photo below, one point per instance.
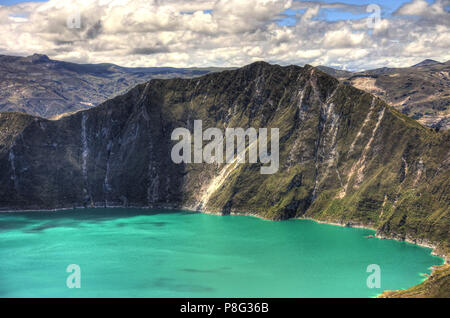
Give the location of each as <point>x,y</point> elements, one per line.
<point>345,156</point>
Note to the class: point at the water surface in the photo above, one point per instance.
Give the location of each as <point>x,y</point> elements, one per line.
<point>142,253</point>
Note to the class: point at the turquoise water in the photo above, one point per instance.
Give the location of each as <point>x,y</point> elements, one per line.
<point>142,253</point>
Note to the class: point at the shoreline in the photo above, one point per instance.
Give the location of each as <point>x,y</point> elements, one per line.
<point>349,224</point>
<point>381,236</point>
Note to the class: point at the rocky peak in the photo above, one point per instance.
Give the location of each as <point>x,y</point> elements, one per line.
<point>427,62</point>
<point>38,58</point>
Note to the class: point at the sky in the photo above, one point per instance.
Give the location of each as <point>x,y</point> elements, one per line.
<point>345,34</point>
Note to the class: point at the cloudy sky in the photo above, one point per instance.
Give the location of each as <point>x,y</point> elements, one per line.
<point>349,34</point>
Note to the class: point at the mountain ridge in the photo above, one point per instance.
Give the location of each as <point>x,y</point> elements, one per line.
<point>48,88</point>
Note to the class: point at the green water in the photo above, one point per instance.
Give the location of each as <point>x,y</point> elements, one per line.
<point>141,253</point>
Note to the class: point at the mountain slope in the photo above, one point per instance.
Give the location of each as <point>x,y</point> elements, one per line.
<point>40,86</point>
<point>421,92</point>
<point>345,156</point>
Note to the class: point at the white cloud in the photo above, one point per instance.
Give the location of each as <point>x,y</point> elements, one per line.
<point>416,7</point>
<point>342,38</point>
<point>223,33</point>
<point>435,12</point>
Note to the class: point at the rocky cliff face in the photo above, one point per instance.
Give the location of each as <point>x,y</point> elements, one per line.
<point>345,156</point>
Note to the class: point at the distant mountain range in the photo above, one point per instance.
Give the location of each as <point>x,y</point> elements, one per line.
<point>43,87</point>
<point>421,92</point>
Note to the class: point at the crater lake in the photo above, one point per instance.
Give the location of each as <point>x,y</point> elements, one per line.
<point>155,253</point>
